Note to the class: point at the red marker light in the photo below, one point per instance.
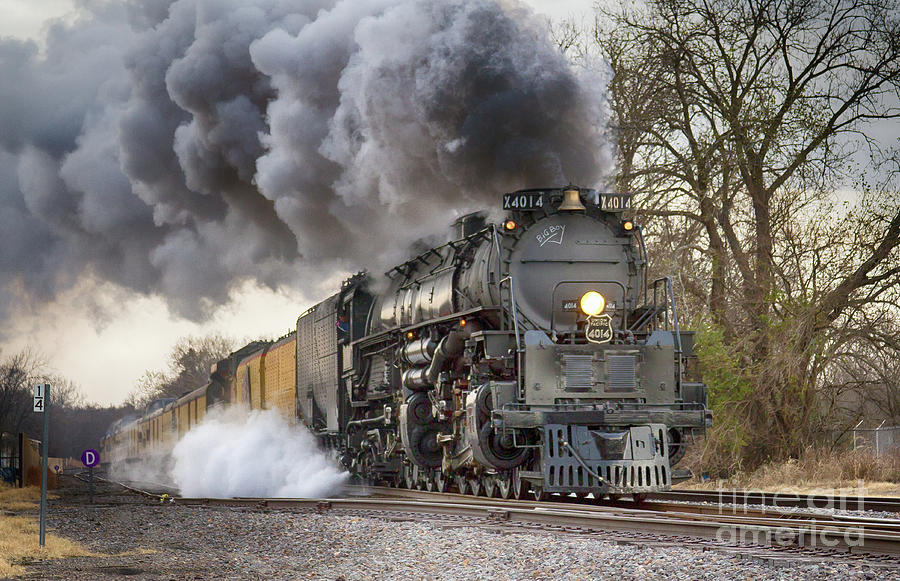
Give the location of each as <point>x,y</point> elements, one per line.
<point>510,225</point>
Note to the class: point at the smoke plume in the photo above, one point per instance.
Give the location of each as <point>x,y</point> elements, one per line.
<point>180,147</point>
<point>233,453</point>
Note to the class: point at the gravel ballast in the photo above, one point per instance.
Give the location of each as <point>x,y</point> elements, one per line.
<point>170,541</point>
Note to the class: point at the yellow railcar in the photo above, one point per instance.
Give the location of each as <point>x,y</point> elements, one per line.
<point>189,410</point>
<point>279,375</point>
<point>248,388</point>
<point>120,442</point>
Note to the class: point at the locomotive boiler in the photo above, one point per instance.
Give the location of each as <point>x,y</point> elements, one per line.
<point>527,356</point>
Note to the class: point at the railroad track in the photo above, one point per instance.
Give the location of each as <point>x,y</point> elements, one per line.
<point>721,527</point>
<point>743,497</point>
<point>812,534</point>
<point>142,487</point>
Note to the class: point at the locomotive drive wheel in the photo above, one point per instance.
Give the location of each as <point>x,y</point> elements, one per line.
<point>490,486</point>
<point>407,477</point>
<point>462,484</point>
<point>441,482</point>
<point>538,493</point>
<point>475,486</point>
<point>519,486</point>
<point>504,486</point>
<point>429,484</point>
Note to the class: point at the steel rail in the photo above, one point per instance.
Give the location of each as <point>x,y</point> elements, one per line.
<point>142,492</point>
<point>794,500</point>
<point>706,512</point>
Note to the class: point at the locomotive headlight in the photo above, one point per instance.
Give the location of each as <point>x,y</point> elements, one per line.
<point>592,303</point>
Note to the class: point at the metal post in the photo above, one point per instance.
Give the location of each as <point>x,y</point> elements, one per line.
<point>855,437</point>
<point>91,482</point>
<point>45,447</point>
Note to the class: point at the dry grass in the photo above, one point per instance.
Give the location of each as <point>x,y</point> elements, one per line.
<point>20,541</point>
<point>844,472</point>
<point>20,536</point>
<point>16,499</point>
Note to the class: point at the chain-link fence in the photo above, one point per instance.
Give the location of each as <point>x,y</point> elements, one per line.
<point>881,440</point>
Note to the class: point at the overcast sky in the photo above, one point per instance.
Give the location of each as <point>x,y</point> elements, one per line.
<point>25,18</point>
<point>107,345</point>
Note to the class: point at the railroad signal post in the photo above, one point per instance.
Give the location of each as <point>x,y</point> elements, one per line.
<point>41,401</point>
<point>90,458</point>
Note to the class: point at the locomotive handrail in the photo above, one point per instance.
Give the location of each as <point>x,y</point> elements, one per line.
<point>526,319</point>
<point>495,244</point>
<point>647,315</point>
<point>645,256</point>
<point>668,303</point>
<point>515,310</point>
<point>513,307</point>
<point>423,278</point>
<point>568,260</point>
<point>454,244</point>
<point>679,352</point>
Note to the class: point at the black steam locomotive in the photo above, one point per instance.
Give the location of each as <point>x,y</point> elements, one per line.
<point>518,357</point>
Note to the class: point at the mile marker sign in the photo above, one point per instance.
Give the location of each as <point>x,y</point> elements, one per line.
<point>39,394</point>
<point>90,458</point>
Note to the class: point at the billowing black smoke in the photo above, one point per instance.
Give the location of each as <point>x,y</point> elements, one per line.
<point>178,148</point>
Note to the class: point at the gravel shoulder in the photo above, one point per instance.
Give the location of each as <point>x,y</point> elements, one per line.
<point>143,539</point>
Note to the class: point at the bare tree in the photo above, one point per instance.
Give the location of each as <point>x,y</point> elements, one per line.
<point>189,364</point>
<point>18,373</point>
<point>737,121</point>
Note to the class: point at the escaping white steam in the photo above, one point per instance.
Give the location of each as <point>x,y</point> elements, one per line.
<point>256,454</point>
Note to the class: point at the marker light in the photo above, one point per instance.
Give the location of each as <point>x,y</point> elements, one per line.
<point>592,303</point>
<point>410,335</point>
<point>462,322</point>
<point>510,225</point>
<point>629,225</point>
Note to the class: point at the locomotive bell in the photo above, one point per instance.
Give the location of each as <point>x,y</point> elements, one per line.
<point>571,201</point>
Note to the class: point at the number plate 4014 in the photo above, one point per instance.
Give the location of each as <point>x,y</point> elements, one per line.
<point>527,201</point>
<point>599,329</point>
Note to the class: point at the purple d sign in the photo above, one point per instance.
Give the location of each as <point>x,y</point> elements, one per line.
<point>90,458</point>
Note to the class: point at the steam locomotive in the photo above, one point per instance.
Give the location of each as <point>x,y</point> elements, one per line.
<point>531,356</point>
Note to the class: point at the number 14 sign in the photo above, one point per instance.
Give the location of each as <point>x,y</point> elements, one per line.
<point>40,392</point>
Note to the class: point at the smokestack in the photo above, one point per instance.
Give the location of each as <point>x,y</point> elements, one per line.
<point>469,224</point>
